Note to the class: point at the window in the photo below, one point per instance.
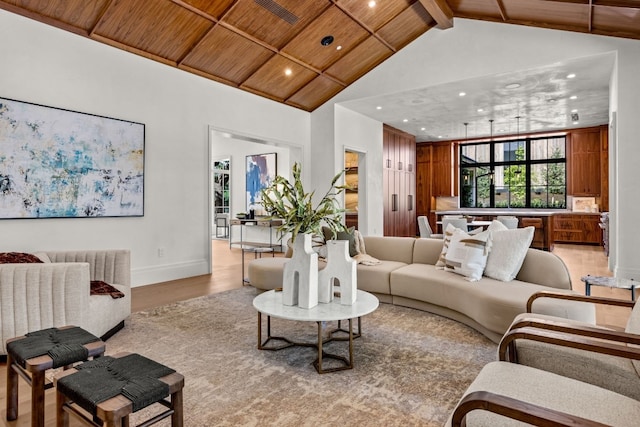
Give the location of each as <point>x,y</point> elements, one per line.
<point>522,173</point>
<point>221,186</point>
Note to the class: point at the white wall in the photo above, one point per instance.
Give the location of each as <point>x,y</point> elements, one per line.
<point>44,65</point>
<point>474,48</point>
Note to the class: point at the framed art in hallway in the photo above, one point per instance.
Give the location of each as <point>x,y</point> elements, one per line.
<point>260,172</point>
<point>57,163</point>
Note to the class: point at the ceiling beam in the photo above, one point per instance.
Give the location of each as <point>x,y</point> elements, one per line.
<point>440,11</point>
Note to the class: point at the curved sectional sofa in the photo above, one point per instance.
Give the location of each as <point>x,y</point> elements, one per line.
<point>407,276</point>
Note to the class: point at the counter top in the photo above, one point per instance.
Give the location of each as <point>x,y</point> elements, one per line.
<point>513,212</point>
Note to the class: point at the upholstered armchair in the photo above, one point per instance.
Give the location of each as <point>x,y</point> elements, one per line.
<point>594,354</point>
<point>563,372</point>
<point>36,296</point>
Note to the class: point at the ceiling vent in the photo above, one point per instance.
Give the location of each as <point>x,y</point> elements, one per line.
<point>278,10</point>
<point>574,117</point>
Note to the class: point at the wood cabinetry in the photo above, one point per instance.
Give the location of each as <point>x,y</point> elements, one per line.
<point>584,172</point>
<point>399,181</point>
<point>443,172</point>
<point>577,228</point>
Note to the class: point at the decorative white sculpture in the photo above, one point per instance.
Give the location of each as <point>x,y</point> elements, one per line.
<point>300,275</point>
<point>340,267</point>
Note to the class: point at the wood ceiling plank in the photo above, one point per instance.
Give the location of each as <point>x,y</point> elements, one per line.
<point>477,9</point>
<point>227,55</point>
<point>75,20</point>
<point>315,93</point>
<point>271,78</point>
<point>252,18</point>
<point>214,9</point>
<point>612,20</point>
<point>306,45</point>
<point>440,11</point>
<point>407,26</point>
<point>359,61</point>
<point>375,17</point>
<point>159,27</point>
<point>565,14</point>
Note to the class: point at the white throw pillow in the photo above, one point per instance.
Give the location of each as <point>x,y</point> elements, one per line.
<point>508,250</point>
<point>496,226</point>
<point>467,255</point>
<point>448,233</point>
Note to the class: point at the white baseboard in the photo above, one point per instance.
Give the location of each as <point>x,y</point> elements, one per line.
<point>163,273</point>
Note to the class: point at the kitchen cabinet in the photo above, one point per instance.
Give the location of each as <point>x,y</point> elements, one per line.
<point>577,228</point>
<point>584,163</point>
<point>399,182</point>
<point>444,169</point>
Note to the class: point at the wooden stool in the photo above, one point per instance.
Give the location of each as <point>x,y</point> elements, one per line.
<point>115,411</point>
<point>22,361</point>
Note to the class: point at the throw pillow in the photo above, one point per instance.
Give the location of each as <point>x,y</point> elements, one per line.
<point>18,257</point>
<point>508,250</point>
<point>467,255</point>
<point>98,287</point>
<point>446,239</point>
<point>496,226</point>
<point>348,235</point>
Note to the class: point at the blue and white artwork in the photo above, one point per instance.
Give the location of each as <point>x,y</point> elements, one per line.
<point>58,163</point>
<point>261,171</point>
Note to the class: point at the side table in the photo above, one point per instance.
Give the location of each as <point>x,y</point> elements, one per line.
<point>610,282</point>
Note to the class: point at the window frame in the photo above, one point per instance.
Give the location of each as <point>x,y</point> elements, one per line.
<point>527,163</point>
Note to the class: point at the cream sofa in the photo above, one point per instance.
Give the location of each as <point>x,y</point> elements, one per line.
<point>407,276</point>
<point>56,293</point>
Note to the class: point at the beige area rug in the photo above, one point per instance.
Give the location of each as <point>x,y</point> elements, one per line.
<point>411,367</point>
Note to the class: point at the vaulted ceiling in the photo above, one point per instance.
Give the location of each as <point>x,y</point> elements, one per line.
<point>301,52</point>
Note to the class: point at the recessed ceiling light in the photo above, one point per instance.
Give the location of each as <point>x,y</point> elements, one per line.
<point>575,110</point>
<point>439,136</point>
<point>480,110</point>
<point>405,120</point>
<point>423,128</point>
<point>287,71</point>
<point>573,97</point>
<point>372,3</point>
<point>570,76</point>
<point>379,107</point>
<point>513,86</point>
<point>575,123</point>
<point>462,94</point>
<point>338,47</point>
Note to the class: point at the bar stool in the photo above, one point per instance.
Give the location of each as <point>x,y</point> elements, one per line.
<point>105,391</point>
<point>31,355</point>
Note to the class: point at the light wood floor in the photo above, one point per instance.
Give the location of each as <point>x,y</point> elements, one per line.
<point>581,260</point>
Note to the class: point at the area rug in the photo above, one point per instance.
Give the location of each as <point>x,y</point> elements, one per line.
<point>411,367</point>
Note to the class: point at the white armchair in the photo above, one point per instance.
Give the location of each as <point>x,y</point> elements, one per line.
<point>56,293</point>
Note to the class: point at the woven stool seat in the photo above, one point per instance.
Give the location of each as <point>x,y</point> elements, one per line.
<point>112,388</point>
<point>31,355</point>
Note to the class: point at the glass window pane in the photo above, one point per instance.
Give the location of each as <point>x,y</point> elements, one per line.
<point>468,154</point>
<point>539,149</point>
<point>483,153</point>
<point>557,148</point>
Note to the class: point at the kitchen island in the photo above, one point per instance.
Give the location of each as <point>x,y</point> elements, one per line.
<point>552,225</point>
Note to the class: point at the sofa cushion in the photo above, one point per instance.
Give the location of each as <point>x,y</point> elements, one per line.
<point>399,249</point>
<point>348,235</point>
<point>492,303</point>
<point>376,278</point>
<point>508,249</point>
<point>467,255</point>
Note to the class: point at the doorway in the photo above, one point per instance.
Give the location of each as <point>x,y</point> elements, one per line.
<point>221,187</point>
<point>355,196</point>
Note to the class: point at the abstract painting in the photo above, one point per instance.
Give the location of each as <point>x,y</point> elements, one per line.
<point>261,171</point>
<point>57,163</point>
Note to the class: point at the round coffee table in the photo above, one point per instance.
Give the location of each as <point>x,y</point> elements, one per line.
<point>270,304</point>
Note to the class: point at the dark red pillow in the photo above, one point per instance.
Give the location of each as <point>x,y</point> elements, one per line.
<point>18,257</point>
<point>98,287</point>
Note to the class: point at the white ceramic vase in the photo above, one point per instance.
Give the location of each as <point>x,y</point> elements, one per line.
<point>300,275</point>
<point>341,268</point>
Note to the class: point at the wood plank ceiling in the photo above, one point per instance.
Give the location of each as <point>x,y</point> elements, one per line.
<point>250,44</point>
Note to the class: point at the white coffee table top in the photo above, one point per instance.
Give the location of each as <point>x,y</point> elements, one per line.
<point>270,303</point>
